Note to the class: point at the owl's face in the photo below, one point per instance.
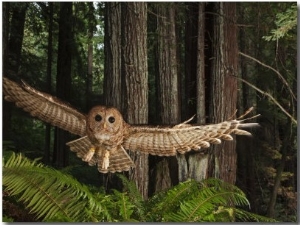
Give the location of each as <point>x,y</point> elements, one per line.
<point>105,125</point>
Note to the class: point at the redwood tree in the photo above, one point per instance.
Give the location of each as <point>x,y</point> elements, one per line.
<point>135,80</point>
<point>13,33</point>
<point>223,86</point>
<point>112,51</point>
<point>63,78</point>
<point>216,86</point>
<point>46,157</point>
<point>167,87</point>
<point>198,162</point>
<point>90,54</point>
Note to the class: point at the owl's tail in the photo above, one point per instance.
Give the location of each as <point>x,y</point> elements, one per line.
<point>114,160</point>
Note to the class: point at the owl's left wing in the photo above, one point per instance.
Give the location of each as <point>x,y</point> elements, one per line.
<point>182,138</point>
<point>45,107</point>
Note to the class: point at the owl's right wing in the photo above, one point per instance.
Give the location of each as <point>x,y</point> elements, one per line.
<point>181,138</point>
<point>45,107</point>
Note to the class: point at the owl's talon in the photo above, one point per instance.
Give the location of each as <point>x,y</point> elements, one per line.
<point>105,162</point>
<point>89,155</point>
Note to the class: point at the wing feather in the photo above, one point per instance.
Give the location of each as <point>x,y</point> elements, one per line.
<point>81,146</point>
<point>45,107</point>
<point>181,139</point>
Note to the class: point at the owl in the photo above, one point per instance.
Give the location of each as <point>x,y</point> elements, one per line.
<point>105,137</point>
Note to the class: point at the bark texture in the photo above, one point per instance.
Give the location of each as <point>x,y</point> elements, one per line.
<point>223,96</point>
<point>135,81</point>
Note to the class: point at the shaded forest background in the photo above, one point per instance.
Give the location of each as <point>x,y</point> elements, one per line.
<point>162,63</point>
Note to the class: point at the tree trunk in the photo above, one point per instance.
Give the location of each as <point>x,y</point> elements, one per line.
<point>112,67</point>
<point>135,81</point>
<point>46,157</point>
<point>223,97</point>
<point>63,79</point>
<point>112,49</point>
<point>89,80</point>
<point>168,86</point>
<point>196,162</point>
<point>286,134</point>
<point>200,73</point>
<point>12,46</point>
<point>5,36</point>
<point>246,153</point>
<point>5,53</point>
<point>16,38</point>
<point>280,169</point>
<point>189,89</point>
<point>191,32</point>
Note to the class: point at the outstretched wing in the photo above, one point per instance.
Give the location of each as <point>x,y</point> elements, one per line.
<point>45,107</point>
<point>182,138</point>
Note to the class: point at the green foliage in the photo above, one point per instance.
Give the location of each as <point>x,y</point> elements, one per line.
<point>211,200</point>
<point>173,198</point>
<point>7,219</point>
<point>124,206</point>
<point>56,196</point>
<point>135,197</point>
<point>27,134</point>
<point>202,206</point>
<point>51,194</point>
<point>271,39</point>
<point>285,22</point>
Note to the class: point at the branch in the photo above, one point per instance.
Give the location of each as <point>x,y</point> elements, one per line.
<point>274,70</point>
<point>270,97</point>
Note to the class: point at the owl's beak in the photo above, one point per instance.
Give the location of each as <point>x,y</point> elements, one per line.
<point>104,125</point>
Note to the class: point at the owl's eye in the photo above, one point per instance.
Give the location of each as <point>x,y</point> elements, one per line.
<point>111,119</point>
<point>98,118</point>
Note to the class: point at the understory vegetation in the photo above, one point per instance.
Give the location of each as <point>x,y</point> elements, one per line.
<point>55,195</point>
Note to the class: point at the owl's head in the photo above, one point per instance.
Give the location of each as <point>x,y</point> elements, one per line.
<point>105,125</point>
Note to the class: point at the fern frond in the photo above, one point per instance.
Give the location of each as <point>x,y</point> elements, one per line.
<point>181,192</point>
<point>212,193</point>
<point>49,193</point>
<point>168,201</point>
<point>124,206</point>
<point>242,215</point>
<point>134,196</point>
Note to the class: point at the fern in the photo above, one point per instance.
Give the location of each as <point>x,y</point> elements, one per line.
<point>56,196</point>
<point>124,206</point>
<point>50,194</point>
<point>245,216</point>
<point>213,202</point>
<point>135,197</point>
<point>169,201</point>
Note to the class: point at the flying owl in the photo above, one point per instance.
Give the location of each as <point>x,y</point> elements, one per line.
<point>105,136</point>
